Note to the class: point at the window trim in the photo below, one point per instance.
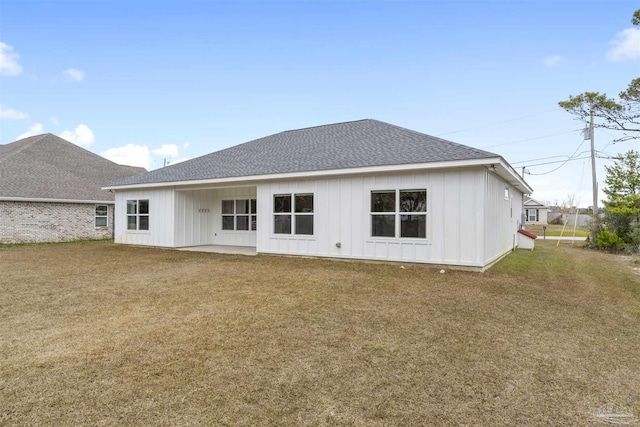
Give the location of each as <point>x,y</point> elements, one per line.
<point>235,215</point>
<point>96,216</point>
<point>138,215</point>
<point>293,215</point>
<point>397,214</point>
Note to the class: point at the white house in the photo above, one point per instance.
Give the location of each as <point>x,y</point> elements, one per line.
<point>535,212</point>
<point>359,190</point>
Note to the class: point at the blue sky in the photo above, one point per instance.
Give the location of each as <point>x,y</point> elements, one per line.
<point>143,81</point>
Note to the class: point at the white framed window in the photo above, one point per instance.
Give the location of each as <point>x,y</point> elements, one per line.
<point>293,214</point>
<point>137,214</point>
<point>102,216</point>
<point>399,213</point>
<point>506,192</point>
<point>239,215</point>
<point>532,214</point>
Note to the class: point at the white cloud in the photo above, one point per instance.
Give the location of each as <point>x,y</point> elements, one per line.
<point>626,46</point>
<point>81,135</point>
<point>130,154</point>
<point>33,130</point>
<point>550,61</point>
<point>55,121</point>
<point>186,145</point>
<point>11,114</point>
<point>74,74</point>
<point>167,150</point>
<point>9,65</point>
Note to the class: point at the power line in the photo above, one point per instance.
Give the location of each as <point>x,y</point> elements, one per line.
<point>541,158</point>
<point>569,159</point>
<point>550,163</point>
<point>531,139</point>
<point>564,163</point>
<point>500,122</point>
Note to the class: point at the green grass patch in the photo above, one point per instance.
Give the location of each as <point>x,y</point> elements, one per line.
<point>568,233</point>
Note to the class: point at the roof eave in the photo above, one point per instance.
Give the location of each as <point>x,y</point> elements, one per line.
<point>509,174</point>
<point>506,172</point>
<point>49,200</point>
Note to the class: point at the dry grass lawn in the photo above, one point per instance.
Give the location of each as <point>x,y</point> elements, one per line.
<point>104,335</point>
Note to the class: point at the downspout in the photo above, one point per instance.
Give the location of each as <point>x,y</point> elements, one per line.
<point>522,212</point>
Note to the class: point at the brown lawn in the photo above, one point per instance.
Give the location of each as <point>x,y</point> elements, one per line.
<point>99,334</point>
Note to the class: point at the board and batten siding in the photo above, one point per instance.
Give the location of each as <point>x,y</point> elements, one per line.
<point>502,216</point>
<point>193,217</point>
<point>226,237</point>
<point>199,217</point>
<point>455,200</point>
<point>161,218</point>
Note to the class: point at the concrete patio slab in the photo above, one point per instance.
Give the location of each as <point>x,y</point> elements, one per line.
<point>220,249</point>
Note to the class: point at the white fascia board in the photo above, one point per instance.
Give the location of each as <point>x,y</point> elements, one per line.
<point>320,173</point>
<point>43,200</point>
<point>515,179</point>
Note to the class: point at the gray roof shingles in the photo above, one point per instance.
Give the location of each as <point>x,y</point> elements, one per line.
<point>356,144</point>
<point>49,167</point>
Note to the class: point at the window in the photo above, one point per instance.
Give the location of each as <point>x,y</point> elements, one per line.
<point>102,216</point>
<point>137,214</point>
<point>506,193</point>
<point>532,214</point>
<point>239,215</point>
<point>399,213</point>
<point>293,214</point>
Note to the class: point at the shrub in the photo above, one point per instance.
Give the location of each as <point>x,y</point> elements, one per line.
<point>608,240</point>
<point>633,243</point>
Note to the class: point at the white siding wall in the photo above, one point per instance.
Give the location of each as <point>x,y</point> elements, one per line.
<point>469,221</point>
<point>194,217</point>
<point>218,236</point>
<point>183,218</point>
<point>502,217</point>
<point>161,218</point>
<point>454,218</point>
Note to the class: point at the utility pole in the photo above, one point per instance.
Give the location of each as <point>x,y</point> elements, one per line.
<point>593,166</point>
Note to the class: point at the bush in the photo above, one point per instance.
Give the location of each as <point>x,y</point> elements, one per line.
<point>608,240</point>
<point>633,239</point>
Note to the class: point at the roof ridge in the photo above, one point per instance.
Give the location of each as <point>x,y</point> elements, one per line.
<point>36,139</point>
<point>436,137</point>
<point>264,137</point>
<point>320,126</point>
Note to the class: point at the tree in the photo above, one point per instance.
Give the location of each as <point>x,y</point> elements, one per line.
<point>569,202</point>
<point>623,185</point>
<point>621,115</point>
<point>622,207</point>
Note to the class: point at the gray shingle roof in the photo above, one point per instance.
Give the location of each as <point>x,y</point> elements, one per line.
<point>361,143</point>
<point>49,167</point>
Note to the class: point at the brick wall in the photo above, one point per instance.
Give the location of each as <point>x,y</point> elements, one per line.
<point>35,222</point>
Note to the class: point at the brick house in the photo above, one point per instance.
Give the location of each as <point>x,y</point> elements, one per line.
<point>50,191</point>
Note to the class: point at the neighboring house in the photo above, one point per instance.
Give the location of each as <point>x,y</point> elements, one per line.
<point>359,190</point>
<point>50,191</point>
<point>536,212</point>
